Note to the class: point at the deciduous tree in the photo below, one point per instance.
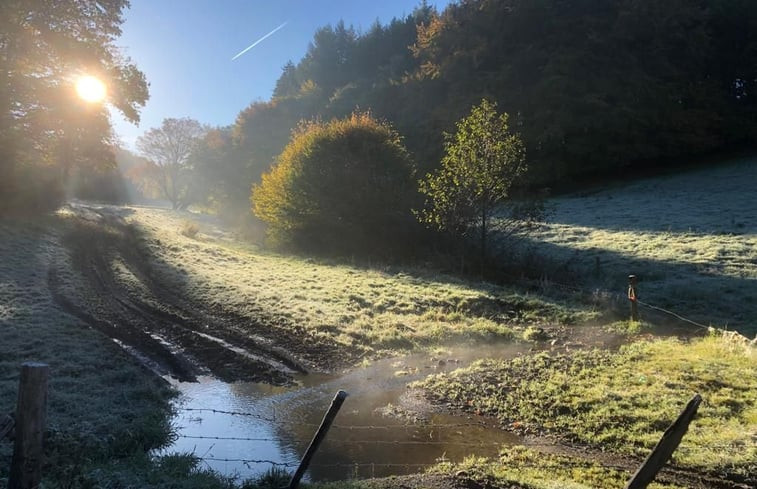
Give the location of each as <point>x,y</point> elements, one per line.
<point>481,162</point>
<point>170,147</point>
<point>344,186</point>
<point>44,127</point>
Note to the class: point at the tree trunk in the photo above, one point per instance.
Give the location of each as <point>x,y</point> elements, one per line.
<point>483,240</point>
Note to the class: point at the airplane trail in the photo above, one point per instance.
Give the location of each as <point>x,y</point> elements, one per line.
<point>259,40</point>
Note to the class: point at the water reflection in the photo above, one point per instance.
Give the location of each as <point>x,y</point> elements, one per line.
<point>280,421</point>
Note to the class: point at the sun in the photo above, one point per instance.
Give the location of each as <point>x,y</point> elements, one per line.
<point>90,89</point>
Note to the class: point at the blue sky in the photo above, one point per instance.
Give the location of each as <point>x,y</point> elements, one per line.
<point>185,50</point>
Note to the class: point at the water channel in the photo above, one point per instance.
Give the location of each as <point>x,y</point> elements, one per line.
<point>245,428</point>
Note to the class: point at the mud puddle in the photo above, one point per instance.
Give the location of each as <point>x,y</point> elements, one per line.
<point>382,429</point>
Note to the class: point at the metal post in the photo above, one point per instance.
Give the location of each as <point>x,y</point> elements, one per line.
<point>318,438</point>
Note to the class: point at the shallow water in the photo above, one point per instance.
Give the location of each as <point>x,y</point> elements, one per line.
<point>279,422</point>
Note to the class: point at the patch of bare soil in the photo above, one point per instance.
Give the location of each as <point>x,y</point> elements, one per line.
<point>170,333</point>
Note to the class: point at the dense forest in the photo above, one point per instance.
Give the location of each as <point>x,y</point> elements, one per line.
<point>591,86</point>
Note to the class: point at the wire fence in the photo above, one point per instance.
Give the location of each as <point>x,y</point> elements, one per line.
<point>616,297</point>
<point>356,466</point>
<point>492,447</point>
<point>350,465</point>
<point>673,314</point>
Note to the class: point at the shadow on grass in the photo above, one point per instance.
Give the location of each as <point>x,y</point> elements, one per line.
<point>102,405</point>
<point>715,200</point>
<point>688,289</point>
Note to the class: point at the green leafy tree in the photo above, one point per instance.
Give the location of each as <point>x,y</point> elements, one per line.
<point>481,162</point>
<point>345,186</point>
<point>45,129</point>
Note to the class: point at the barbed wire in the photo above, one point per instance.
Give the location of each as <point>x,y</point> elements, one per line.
<point>230,413</point>
<point>224,438</point>
<point>480,424</point>
<point>351,465</point>
<point>734,445</point>
<point>678,316</point>
<point>364,442</point>
<point>248,461</point>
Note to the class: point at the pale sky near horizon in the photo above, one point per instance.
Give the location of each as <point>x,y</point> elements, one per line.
<point>185,49</point>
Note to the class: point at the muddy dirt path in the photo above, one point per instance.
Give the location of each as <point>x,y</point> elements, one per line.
<point>152,319</point>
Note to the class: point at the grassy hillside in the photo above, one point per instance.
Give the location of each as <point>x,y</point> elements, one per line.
<point>691,238</point>
<point>364,310</point>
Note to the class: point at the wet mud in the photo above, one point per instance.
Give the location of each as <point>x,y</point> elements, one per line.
<point>168,332</point>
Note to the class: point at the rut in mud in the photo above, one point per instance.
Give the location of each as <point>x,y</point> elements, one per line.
<point>171,334</point>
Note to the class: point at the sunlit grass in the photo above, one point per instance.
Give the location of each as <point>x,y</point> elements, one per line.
<point>516,468</point>
<point>691,238</point>
<point>625,400</point>
<point>531,469</point>
<point>378,310</point>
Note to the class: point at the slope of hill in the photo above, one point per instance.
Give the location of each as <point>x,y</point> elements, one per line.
<point>690,238</point>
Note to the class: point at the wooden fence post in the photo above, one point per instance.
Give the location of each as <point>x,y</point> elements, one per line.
<point>6,426</point>
<point>336,403</point>
<point>31,414</point>
<point>632,281</point>
<point>665,447</point>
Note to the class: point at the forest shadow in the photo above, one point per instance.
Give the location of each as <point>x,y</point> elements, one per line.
<point>719,200</point>
<point>692,290</point>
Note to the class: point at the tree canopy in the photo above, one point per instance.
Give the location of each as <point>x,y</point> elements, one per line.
<point>593,87</point>
<point>170,147</point>
<point>46,131</point>
<point>482,160</point>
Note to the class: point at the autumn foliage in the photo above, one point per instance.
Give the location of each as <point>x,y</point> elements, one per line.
<point>339,187</point>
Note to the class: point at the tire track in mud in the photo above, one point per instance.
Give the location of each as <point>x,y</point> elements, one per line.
<point>166,330</point>
<point>153,353</point>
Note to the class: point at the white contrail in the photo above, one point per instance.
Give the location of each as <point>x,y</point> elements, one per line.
<point>259,40</point>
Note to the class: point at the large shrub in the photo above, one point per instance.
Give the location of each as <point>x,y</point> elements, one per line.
<point>345,186</point>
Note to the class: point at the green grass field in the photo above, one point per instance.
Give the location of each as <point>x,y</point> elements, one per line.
<point>624,401</point>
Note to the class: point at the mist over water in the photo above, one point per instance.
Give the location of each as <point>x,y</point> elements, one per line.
<point>279,422</point>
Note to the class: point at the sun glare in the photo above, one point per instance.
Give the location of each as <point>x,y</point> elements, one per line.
<point>90,89</point>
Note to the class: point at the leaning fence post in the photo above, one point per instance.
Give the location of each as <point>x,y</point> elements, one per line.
<point>336,403</point>
<point>665,447</point>
<point>31,414</point>
<point>632,280</point>
<point>6,426</point>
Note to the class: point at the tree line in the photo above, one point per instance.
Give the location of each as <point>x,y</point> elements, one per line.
<point>592,87</point>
